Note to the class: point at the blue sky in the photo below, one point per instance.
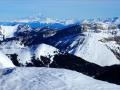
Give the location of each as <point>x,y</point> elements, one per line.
<point>60,9</point>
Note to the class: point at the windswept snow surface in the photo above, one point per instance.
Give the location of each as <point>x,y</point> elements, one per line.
<point>5,62</point>
<point>93,50</point>
<point>50,79</point>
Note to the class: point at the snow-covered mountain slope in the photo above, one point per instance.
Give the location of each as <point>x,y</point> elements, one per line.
<point>15,47</point>
<point>83,44</point>
<point>71,39</point>
<point>8,31</point>
<point>71,62</point>
<point>46,51</point>
<point>93,50</point>
<point>113,43</point>
<point>24,54</point>
<point>49,79</point>
<point>5,62</point>
<point>89,46</point>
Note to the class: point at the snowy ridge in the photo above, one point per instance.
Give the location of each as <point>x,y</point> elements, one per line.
<point>5,62</point>
<point>95,51</point>
<point>50,78</point>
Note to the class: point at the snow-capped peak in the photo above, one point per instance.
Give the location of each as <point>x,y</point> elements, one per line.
<point>45,50</point>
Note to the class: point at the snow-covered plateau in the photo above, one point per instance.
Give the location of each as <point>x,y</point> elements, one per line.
<point>49,79</point>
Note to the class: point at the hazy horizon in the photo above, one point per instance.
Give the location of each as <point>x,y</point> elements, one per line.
<point>77,9</point>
